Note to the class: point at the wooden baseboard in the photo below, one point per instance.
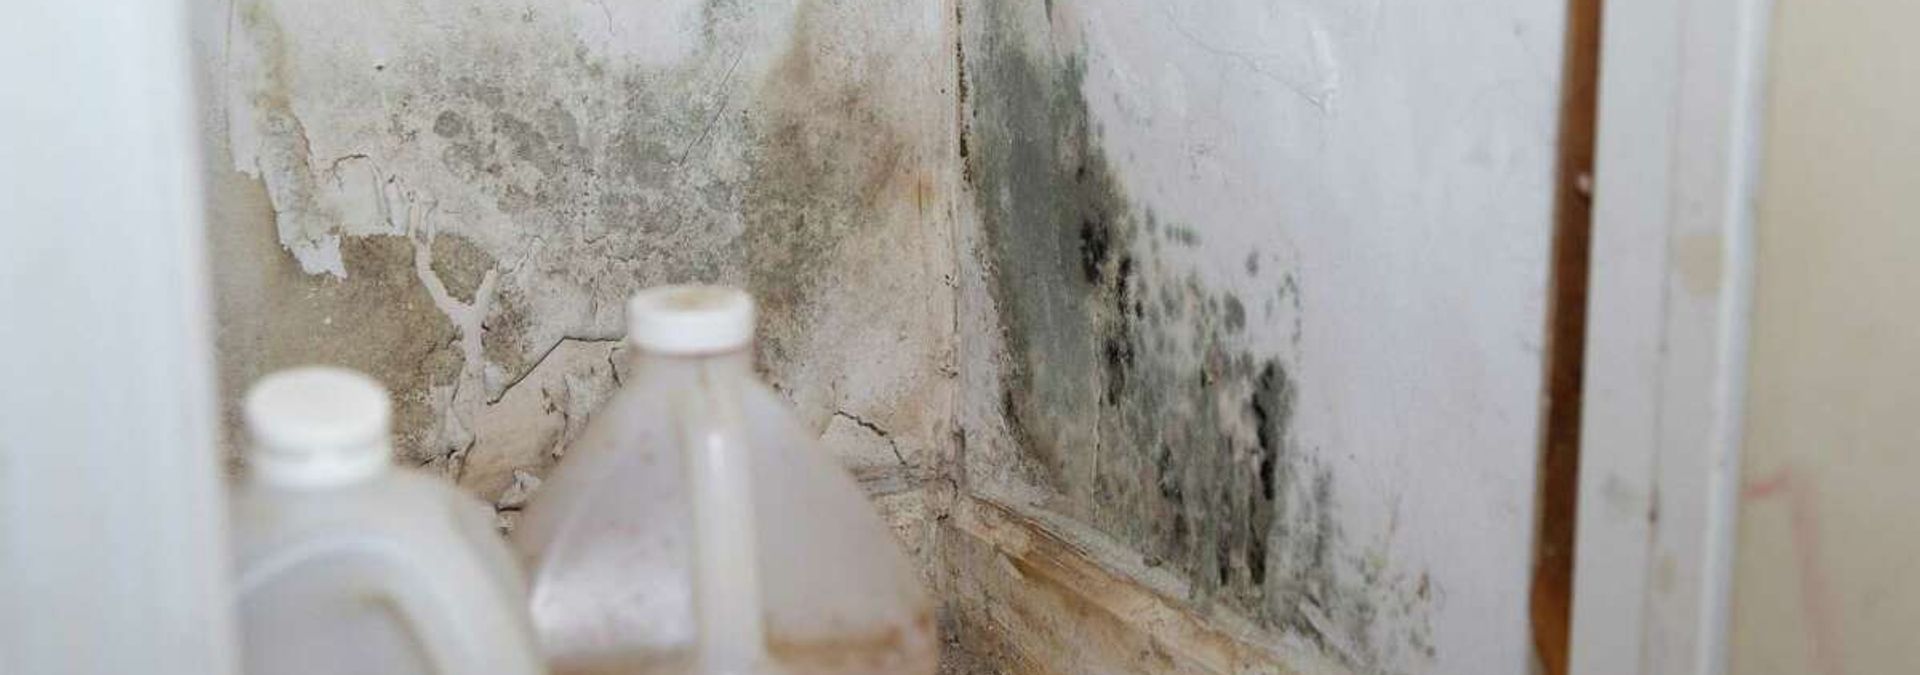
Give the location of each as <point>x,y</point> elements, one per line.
<point>1030,592</point>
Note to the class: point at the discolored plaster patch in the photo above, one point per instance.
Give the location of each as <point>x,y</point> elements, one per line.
<point>826,162</point>
<point>460,265</point>
<point>378,319</point>
<point>535,173</point>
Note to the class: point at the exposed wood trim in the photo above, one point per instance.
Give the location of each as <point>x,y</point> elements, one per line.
<point>1551,606</point>
<point>1108,592</point>
<point>1668,308</point>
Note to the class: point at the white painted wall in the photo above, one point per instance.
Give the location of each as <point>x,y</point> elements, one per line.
<point>1398,159</point>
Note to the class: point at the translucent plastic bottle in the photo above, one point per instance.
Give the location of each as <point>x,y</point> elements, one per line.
<point>349,565</point>
<point>695,527</point>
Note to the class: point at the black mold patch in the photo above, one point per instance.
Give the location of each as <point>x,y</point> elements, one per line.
<point>1131,386</point>
<point>1236,313</point>
<point>1183,235</point>
<point>962,93</point>
<point>1095,239</point>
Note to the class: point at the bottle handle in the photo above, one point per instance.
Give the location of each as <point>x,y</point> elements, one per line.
<point>729,615</point>
<point>418,599</point>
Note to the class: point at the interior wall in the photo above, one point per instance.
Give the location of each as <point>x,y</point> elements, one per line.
<point>1214,332</point>
<point>1827,542</point>
<point>1253,316</point>
<point>457,197</point>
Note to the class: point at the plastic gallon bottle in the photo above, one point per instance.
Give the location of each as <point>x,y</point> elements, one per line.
<point>347,564</point>
<point>696,528</point>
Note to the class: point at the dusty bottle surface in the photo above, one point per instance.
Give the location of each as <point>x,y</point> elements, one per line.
<point>348,565</point>
<point>696,528</point>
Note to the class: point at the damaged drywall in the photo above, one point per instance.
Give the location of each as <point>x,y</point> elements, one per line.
<point>458,196</point>
<point>1183,246</point>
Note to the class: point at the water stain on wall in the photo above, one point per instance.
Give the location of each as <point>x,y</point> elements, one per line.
<point>827,164</point>
<point>505,179</point>
<point>1131,386</point>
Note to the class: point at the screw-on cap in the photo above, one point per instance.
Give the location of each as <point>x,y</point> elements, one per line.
<point>689,320</point>
<point>318,427</point>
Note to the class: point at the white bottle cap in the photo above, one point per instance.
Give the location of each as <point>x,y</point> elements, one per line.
<point>318,427</point>
<point>690,320</point>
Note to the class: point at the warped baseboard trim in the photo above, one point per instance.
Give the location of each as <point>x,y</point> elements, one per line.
<point>1038,593</point>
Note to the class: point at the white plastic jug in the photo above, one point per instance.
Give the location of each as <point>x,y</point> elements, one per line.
<point>696,528</point>
<point>349,565</point>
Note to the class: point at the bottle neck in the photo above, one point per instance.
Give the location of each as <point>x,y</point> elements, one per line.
<point>307,469</point>
<point>718,366</point>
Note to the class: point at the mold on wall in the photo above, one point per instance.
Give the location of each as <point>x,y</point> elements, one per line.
<point>1187,286</point>
<point>458,196</point>
<point>1178,262</point>
<point>1131,392</point>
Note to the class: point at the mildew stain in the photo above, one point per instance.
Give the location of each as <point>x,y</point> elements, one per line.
<point>1133,387</point>
<point>827,163</point>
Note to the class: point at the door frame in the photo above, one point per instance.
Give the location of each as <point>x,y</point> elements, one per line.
<point>1676,167</point>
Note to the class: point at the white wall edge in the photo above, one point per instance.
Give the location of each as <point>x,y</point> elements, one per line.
<point>1671,287</point>
<point>112,511</point>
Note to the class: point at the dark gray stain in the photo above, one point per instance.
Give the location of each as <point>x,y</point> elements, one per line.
<point>1236,313</point>
<point>527,164</point>
<point>1183,235</point>
<point>450,125</point>
<point>1131,386</point>
<point>962,91</point>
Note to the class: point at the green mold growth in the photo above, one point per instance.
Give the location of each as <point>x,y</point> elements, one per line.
<point>1133,389</point>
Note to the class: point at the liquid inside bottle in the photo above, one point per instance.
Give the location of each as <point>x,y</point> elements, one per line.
<point>696,527</point>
